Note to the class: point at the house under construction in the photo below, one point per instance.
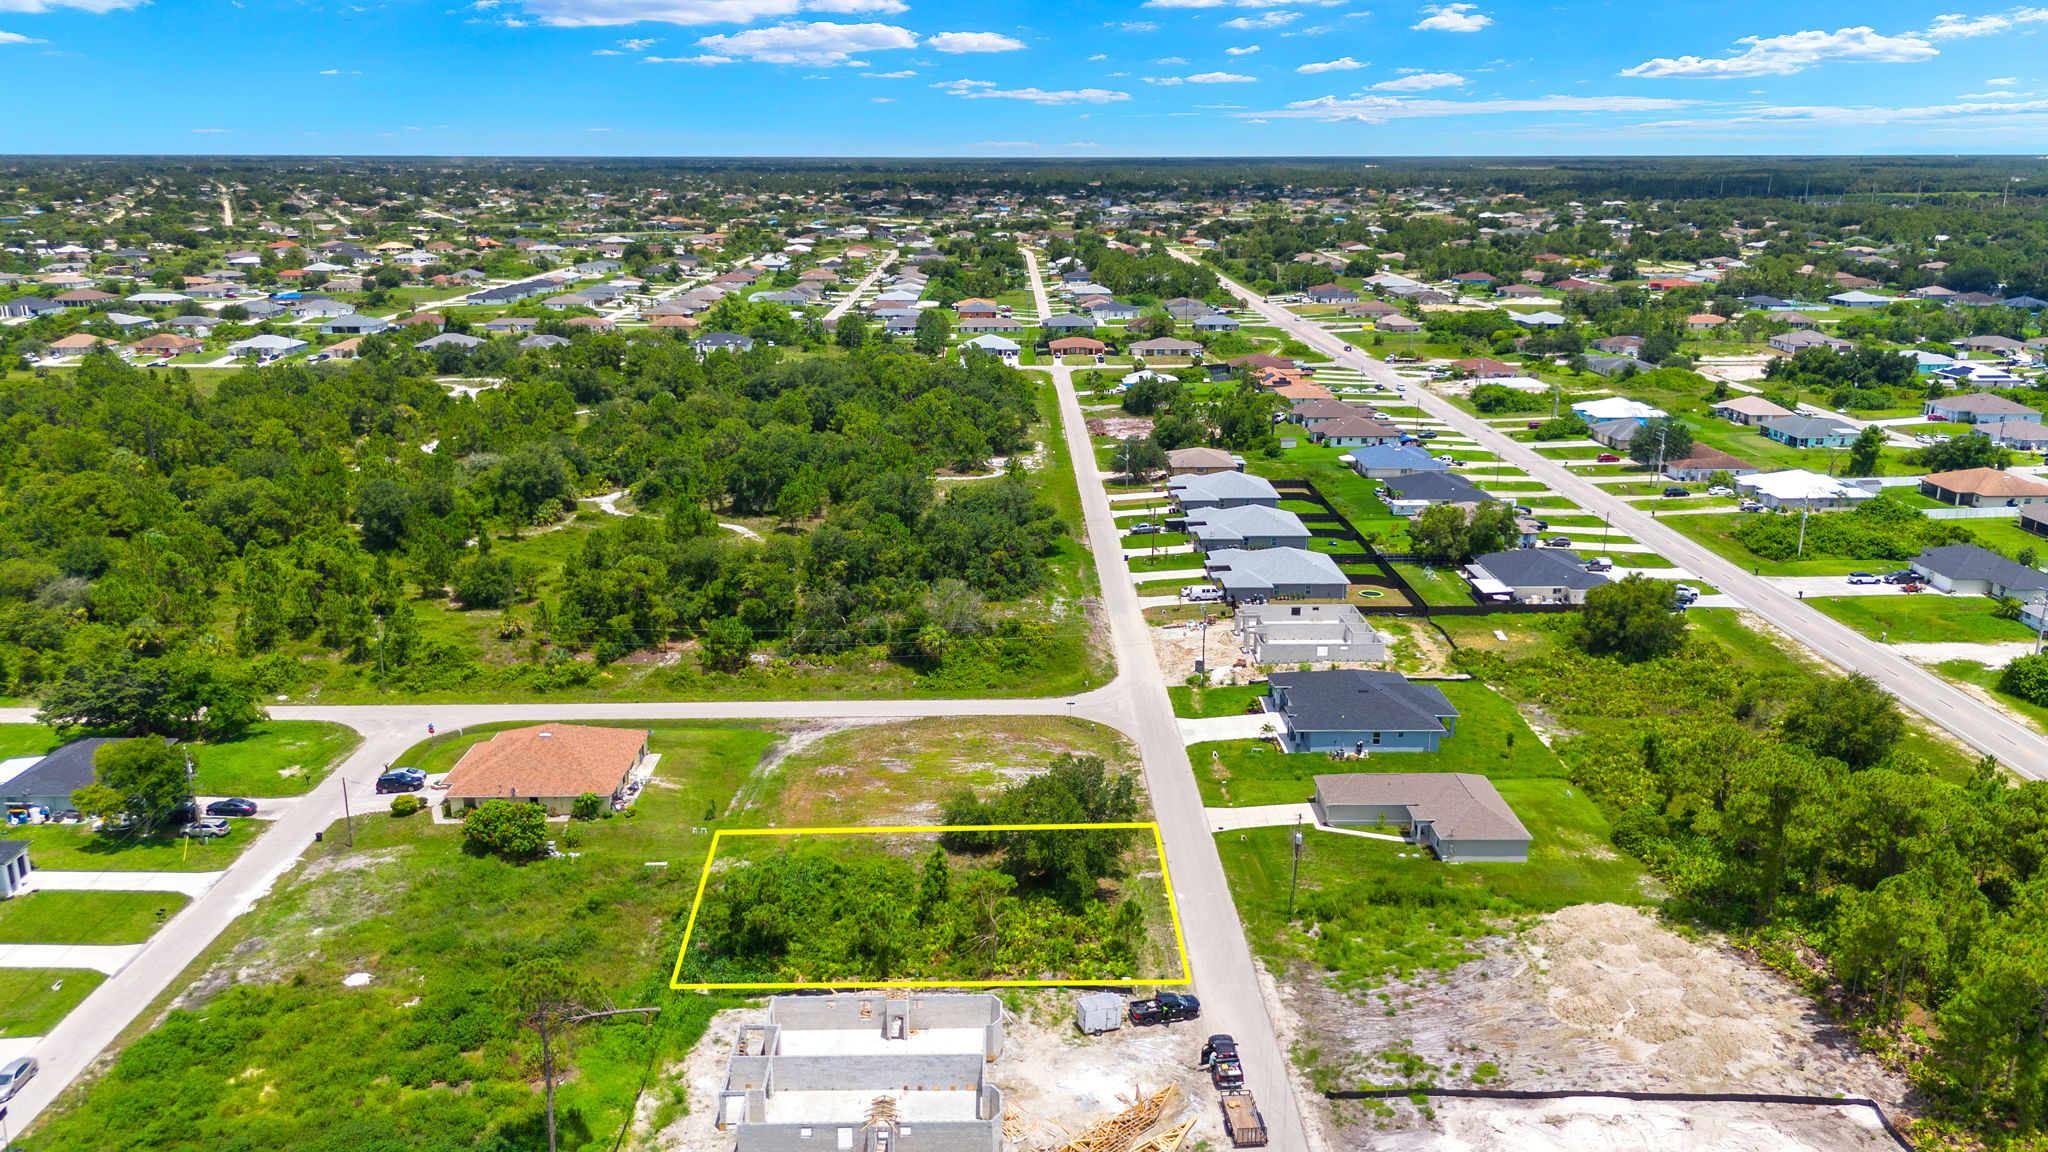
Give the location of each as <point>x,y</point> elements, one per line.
<point>867,1072</point>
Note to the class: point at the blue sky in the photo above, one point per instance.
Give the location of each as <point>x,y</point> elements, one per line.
<point>917,78</point>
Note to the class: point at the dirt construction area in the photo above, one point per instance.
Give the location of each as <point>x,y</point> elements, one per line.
<point>1598,997</point>
<point>1055,1081</point>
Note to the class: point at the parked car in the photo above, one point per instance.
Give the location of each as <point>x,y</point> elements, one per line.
<point>1907,576</point>
<point>1559,541</point>
<point>15,1073</point>
<point>1686,594</point>
<point>206,828</point>
<point>232,806</point>
<point>1165,1008</point>
<point>1750,506</point>
<point>1720,490</point>
<point>402,780</point>
<point>1600,564</point>
<point>1607,458</point>
<point>1426,434</point>
<point>1145,529</point>
<point>1933,419</point>
<point>1201,593</point>
<point>1863,578</point>
<point>1535,424</point>
<point>1675,490</point>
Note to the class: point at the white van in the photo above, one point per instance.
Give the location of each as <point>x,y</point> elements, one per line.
<point>1201,593</point>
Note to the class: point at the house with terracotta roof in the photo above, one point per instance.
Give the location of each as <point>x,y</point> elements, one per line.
<point>548,764</point>
<point>1983,488</point>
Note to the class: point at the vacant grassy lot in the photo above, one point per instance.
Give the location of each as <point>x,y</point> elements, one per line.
<point>1230,701</point>
<point>27,740</point>
<point>1925,619</point>
<point>32,1000</point>
<point>1437,584</point>
<point>1986,677</point>
<point>277,758</point>
<point>86,917</point>
<point>75,848</point>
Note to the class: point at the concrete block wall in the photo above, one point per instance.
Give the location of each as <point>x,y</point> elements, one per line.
<point>956,1136</point>
<point>954,1072</point>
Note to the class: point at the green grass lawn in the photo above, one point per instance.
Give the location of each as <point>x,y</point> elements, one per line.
<point>1712,530</point>
<point>75,848</point>
<point>32,1000</point>
<point>27,740</point>
<point>277,758</point>
<point>1231,701</point>
<point>1986,677</point>
<point>1491,740</point>
<point>1437,584</point>
<point>1381,906</point>
<point>1925,619</point>
<point>1165,562</point>
<point>86,917</point>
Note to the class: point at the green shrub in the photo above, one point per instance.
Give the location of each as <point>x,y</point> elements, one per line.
<point>406,805</point>
<point>588,806</point>
<point>2026,678</point>
<point>514,830</point>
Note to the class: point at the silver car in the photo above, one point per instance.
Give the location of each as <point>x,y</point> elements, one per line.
<point>15,1074</point>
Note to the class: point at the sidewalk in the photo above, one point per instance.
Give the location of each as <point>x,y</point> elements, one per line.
<point>107,958</point>
<point>188,883</point>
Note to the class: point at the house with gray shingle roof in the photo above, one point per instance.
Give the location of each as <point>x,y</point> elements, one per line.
<point>1359,711</point>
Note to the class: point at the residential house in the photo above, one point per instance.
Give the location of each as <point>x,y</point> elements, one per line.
<point>1386,460</point>
<point>2019,435</point>
<point>1330,294</point>
<point>1202,461</point>
<point>1703,463</point>
<point>1408,494</point>
<point>1222,490</point>
<point>989,325</point>
<point>1615,434</point>
<point>510,324</point>
<point>1001,347</point>
<point>1359,711</point>
<point>1483,368</point>
<point>353,324</point>
<point>1459,816</point>
<point>1616,408</point>
<point>1077,346</point>
<point>266,346</point>
<point>1306,633</point>
<point>32,785</point>
<point>1215,322</point>
<point>1809,431</point>
<point>1248,526</point>
<point>1971,570</point>
<point>1355,431</point>
<point>30,306</point>
<point>1859,299</point>
<point>1060,325</point>
<point>1276,574</point>
<point>1797,488</point>
<point>1984,488</point>
<point>722,342</point>
<point>1618,345</point>
<point>1704,322</point>
<point>1165,346</point>
<point>548,764</point>
<point>1800,338</point>
<point>1532,576</point>
<point>462,340</point>
<point>1748,410</point>
<point>1979,408</point>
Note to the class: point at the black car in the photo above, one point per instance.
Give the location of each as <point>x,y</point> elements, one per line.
<point>1676,491</point>
<point>1907,577</point>
<point>402,780</point>
<point>233,806</point>
<point>185,813</point>
<point>1165,1008</point>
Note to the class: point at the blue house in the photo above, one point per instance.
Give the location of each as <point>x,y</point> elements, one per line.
<point>1810,432</point>
<point>1359,711</point>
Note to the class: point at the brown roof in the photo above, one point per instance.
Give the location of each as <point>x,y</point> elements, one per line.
<point>1076,344</point>
<point>669,321</point>
<point>548,760</point>
<point>1705,457</point>
<point>1986,482</point>
<point>1303,391</point>
<point>1462,805</point>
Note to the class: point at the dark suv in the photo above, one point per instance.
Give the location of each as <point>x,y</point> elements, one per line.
<point>1165,1008</point>
<point>402,780</point>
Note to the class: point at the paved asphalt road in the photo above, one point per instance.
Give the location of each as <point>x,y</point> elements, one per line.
<point>1135,703</point>
<point>1983,726</point>
<point>859,290</point>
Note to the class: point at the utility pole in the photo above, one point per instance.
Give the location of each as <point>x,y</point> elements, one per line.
<point>347,820</point>
<point>1805,510</point>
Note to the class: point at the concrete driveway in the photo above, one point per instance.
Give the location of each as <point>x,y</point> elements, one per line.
<point>1247,726</point>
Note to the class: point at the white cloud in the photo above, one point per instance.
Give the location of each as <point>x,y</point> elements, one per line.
<point>958,42</point>
<point>1171,60</point>
<point>905,73</point>
<point>1136,26</point>
<point>1244,51</point>
<point>1955,26</point>
<point>817,44</point>
<point>603,13</point>
<point>1784,55</point>
<point>2030,110</point>
<point>1340,64</point>
<point>2003,81</point>
<point>1452,18</point>
<point>1221,78</point>
<point>1269,20</point>
<point>1420,82</point>
<point>1081,144</point>
<point>1380,109</point>
<point>881,99</point>
<point>707,59</point>
<point>18,38</point>
<point>58,5</point>
<point>597,129</point>
<point>323,71</point>
<point>1097,56</point>
<point>640,44</point>
<point>987,90</point>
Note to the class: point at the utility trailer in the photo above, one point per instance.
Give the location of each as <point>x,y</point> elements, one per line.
<point>1242,1121</point>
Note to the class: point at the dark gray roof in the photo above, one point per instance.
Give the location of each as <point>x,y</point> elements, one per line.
<point>1397,456</point>
<point>1807,427</point>
<point>60,773</point>
<point>1359,700</point>
<point>1438,487</point>
<point>1972,562</point>
<point>1539,568</point>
